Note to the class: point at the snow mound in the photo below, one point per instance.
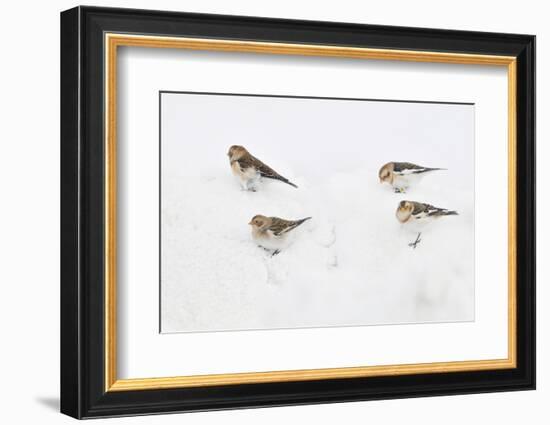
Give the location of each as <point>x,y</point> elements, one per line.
<point>349,265</point>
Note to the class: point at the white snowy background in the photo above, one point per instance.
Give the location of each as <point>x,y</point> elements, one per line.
<point>351,264</point>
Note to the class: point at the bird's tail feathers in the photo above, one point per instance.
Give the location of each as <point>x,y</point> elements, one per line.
<point>301,221</point>
<point>440,212</point>
<point>282,179</point>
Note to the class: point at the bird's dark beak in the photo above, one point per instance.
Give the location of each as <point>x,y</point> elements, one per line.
<point>250,223</point>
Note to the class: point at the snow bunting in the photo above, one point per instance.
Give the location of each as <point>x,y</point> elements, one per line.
<point>249,170</point>
<point>417,214</point>
<point>400,175</point>
<point>272,232</point>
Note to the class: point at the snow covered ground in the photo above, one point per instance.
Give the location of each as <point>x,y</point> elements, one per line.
<point>349,265</point>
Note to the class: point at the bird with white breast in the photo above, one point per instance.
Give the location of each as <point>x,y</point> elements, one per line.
<point>402,175</point>
<point>272,233</point>
<point>416,215</point>
<point>249,170</point>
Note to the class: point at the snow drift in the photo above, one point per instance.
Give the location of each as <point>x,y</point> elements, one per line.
<point>350,265</point>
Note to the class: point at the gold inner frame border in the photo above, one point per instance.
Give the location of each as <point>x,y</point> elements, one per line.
<point>113,40</point>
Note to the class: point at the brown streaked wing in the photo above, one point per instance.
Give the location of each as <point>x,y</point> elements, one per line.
<point>250,161</point>
<point>280,226</point>
<point>428,209</point>
<point>420,207</point>
<point>265,170</point>
<point>401,166</point>
<point>246,163</point>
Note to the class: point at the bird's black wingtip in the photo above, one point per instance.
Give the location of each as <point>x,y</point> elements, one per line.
<point>303,220</point>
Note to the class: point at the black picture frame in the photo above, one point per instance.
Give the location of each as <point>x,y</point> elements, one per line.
<point>83,392</point>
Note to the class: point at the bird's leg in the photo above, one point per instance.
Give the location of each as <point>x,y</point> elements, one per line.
<point>273,252</point>
<point>416,242</point>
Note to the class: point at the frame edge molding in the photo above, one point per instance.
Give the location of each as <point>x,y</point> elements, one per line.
<point>87,391</point>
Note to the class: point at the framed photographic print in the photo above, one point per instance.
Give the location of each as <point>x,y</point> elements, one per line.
<point>261,212</point>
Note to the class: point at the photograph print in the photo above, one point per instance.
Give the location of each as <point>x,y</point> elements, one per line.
<point>281,212</point>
